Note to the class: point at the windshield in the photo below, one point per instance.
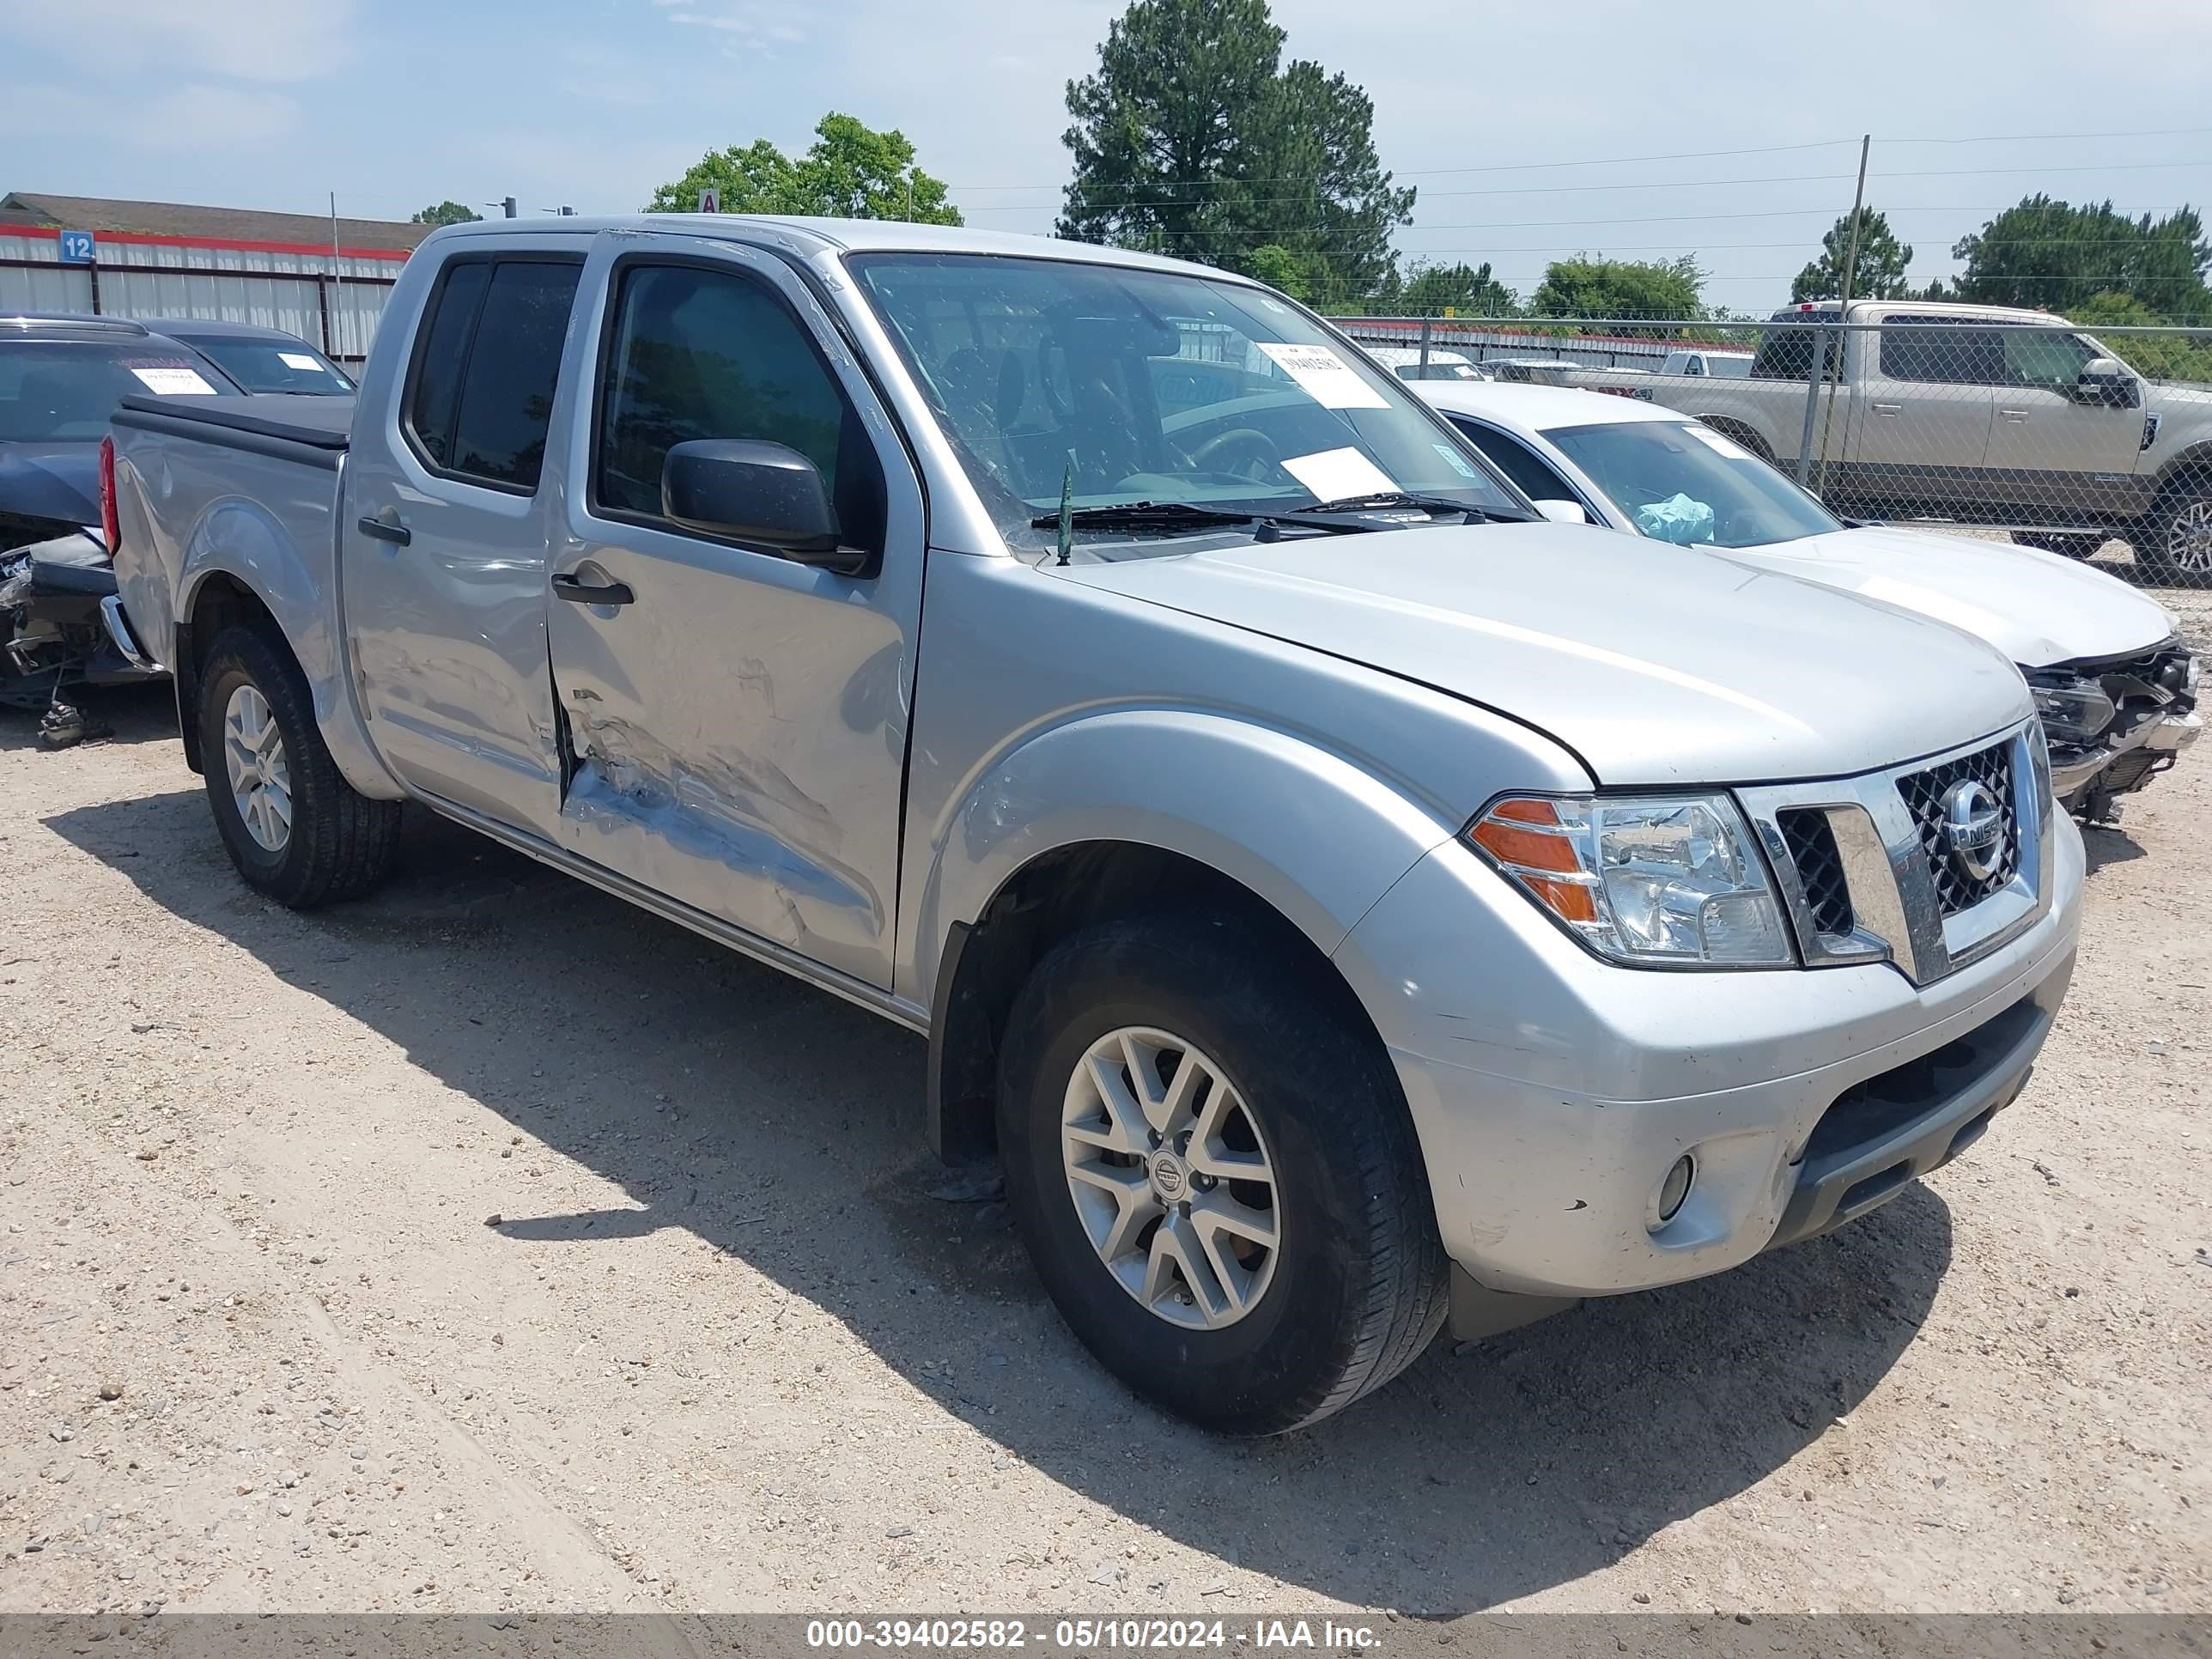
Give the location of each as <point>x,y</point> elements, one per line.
<point>1678,481</point>
<point>64,390</point>
<point>1153,386</point>
<point>273,365</point>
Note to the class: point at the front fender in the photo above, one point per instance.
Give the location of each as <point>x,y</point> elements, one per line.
<point>1315,835</point>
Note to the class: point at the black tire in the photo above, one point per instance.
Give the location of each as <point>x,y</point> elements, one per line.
<point>341,842</point>
<point>1360,1285</point>
<point>2168,543</point>
<point>2061,542</point>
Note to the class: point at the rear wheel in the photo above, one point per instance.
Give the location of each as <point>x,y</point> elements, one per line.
<point>294,827</point>
<point>2174,544</point>
<point>1216,1175</point>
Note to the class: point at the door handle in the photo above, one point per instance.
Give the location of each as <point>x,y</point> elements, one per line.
<point>583,593</point>
<point>1888,410</point>
<point>386,527</point>
<point>2015,414</point>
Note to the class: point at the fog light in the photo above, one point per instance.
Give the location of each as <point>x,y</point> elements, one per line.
<point>1674,1189</point>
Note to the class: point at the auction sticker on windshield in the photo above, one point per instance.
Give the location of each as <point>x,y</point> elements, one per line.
<point>1336,474</point>
<point>1718,443</point>
<point>1327,379</point>
<point>297,360</point>
<point>174,382</point>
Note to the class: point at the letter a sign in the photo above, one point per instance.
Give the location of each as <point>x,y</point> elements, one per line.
<point>710,200</point>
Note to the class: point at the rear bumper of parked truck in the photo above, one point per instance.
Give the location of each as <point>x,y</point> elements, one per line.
<point>1553,1093</point>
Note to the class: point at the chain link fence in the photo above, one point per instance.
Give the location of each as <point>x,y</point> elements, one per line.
<point>2092,442</point>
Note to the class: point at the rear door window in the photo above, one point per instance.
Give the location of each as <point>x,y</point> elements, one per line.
<point>1937,351</point>
<point>487,367</point>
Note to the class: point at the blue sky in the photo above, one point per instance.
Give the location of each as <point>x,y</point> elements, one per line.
<point>397,103</point>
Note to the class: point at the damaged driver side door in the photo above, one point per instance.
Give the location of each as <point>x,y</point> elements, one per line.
<point>735,721</point>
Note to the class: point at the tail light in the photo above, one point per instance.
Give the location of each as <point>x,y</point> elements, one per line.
<point>111,523</point>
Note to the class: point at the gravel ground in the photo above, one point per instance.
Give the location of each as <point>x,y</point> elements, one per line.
<point>492,1245</point>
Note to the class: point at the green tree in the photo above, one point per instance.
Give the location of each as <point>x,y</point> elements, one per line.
<point>2161,356</point>
<point>2049,254</point>
<point>1194,138</point>
<point>1470,290</point>
<point>1279,267</point>
<point>445,213</point>
<point>1596,287</point>
<point>850,172</point>
<point>1880,270</point>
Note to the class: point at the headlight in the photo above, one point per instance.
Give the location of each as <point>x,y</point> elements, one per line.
<point>1652,881</point>
<point>2076,712</point>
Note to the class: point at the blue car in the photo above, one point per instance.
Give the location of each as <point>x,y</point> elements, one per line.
<point>60,380</point>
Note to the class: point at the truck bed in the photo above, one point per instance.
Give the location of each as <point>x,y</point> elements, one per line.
<point>313,430</point>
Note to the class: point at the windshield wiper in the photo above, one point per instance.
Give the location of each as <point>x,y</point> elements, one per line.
<point>1140,515</point>
<point>1381,501</point>
<point>1388,501</point>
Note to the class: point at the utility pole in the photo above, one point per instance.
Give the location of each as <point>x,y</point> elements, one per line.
<point>1843,313</point>
<point>337,274</point>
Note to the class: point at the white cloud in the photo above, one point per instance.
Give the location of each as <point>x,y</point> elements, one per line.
<point>751,23</point>
<point>266,40</point>
<point>196,117</point>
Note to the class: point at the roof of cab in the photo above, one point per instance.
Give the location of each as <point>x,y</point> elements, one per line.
<point>1540,408</point>
<point>831,236</point>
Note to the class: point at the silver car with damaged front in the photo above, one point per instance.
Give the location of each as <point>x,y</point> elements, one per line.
<point>1335,898</point>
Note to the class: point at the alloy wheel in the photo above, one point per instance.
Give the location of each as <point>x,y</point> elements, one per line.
<point>2189,539</point>
<point>1171,1177</point>
<point>260,777</point>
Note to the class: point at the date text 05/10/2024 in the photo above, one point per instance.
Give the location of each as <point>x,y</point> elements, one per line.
<point>1091,1635</point>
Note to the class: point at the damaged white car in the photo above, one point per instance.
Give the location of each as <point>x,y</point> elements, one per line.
<point>2113,678</point>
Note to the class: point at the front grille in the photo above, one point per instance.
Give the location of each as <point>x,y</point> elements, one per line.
<point>1811,843</point>
<point>1924,793</point>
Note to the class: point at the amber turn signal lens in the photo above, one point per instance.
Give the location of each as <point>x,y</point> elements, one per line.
<point>1545,849</point>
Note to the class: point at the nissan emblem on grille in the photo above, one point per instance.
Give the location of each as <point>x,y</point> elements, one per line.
<point>1973,825</point>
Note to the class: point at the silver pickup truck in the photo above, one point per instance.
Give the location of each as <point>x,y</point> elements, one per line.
<point>1335,897</point>
<point>1976,413</point>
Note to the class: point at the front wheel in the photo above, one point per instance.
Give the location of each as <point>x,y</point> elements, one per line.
<point>2174,544</point>
<point>1216,1175</point>
<point>293,827</point>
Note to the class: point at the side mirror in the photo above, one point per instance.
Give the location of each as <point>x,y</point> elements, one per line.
<point>1564,511</point>
<point>750,490</point>
<point>2106,380</point>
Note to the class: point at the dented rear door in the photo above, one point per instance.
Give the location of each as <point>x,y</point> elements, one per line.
<point>736,731</point>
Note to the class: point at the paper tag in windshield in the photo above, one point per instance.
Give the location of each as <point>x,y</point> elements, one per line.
<point>1713,440</point>
<point>175,382</point>
<point>1327,379</point>
<point>297,360</point>
<point>1457,462</point>
<point>1336,474</point>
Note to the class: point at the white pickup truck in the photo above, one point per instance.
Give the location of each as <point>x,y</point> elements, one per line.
<point>1333,895</point>
<point>1976,413</point>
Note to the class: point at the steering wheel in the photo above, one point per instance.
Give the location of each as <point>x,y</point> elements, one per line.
<point>1241,446</point>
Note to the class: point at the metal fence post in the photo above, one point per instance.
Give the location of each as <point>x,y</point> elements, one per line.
<point>1426,327</point>
<point>1815,374</point>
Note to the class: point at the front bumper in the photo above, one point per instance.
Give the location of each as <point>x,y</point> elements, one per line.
<point>1552,1093</point>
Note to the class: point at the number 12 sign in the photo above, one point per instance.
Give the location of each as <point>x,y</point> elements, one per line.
<point>76,247</point>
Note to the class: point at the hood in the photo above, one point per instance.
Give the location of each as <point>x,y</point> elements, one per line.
<point>1656,664</point>
<point>60,481</point>
<point>2039,608</point>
